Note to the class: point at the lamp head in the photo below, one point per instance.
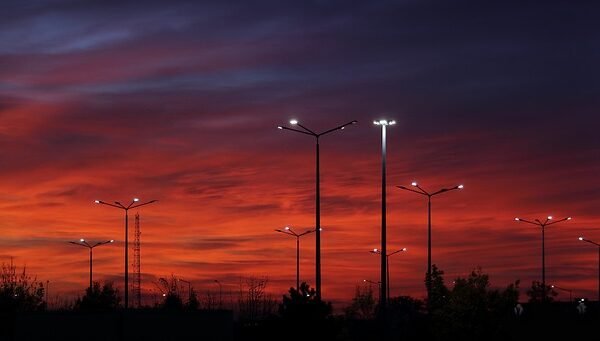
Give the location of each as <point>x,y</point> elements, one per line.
<point>287,228</point>
<point>549,217</point>
<point>375,250</point>
<point>293,121</point>
<point>460,186</point>
<point>580,238</point>
<point>136,199</point>
<point>97,201</point>
<point>404,249</point>
<point>82,240</point>
<point>517,219</point>
<point>414,183</point>
<point>568,218</point>
<point>112,241</point>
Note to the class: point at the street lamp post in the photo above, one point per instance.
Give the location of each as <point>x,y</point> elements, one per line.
<point>382,295</point>
<point>220,293</point>
<point>598,245</point>
<point>288,230</point>
<point>373,282</point>
<point>543,225</point>
<point>84,243</point>
<point>310,132</point>
<point>133,204</point>
<point>387,270</point>
<point>189,288</point>
<point>563,289</point>
<point>421,191</point>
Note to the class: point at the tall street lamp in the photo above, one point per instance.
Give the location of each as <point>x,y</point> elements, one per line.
<point>598,245</point>
<point>543,225</point>
<point>189,288</point>
<point>310,132</point>
<point>373,282</point>
<point>382,295</point>
<point>220,293</point>
<point>420,190</point>
<point>288,230</point>
<point>563,289</point>
<point>84,243</point>
<point>133,204</point>
<point>387,270</point>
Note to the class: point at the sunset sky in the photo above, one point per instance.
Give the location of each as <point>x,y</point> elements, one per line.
<point>180,101</point>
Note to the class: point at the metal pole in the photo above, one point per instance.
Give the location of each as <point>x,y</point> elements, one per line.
<point>428,279</point>
<point>383,297</point>
<point>91,248</point>
<point>298,263</point>
<point>318,226</point>
<point>598,274</point>
<point>543,265</point>
<point>388,276</point>
<point>126,259</point>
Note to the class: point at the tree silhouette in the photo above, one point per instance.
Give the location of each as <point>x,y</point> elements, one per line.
<point>474,311</point>
<point>363,304</point>
<point>193,303</point>
<point>19,291</point>
<point>439,291</point>
<point>98,299</point>
<point>537,293</point>
<point>303,304</point>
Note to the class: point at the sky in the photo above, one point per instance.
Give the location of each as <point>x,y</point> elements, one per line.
<point>180,101</point>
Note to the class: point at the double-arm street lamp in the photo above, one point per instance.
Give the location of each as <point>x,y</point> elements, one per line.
<point>189,284</point>
<point>598,245</point>
<point>563,289</point>
<point>134,204</point>
<point>84,243</point>
<point>387,270</point>
<point>420,190</point>
<point>549,221</point>
<point>288,230</point>
<point>310,132</point>
<point>383,269</point>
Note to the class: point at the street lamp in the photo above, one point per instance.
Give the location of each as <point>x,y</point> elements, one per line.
<point>543,225</point>
<point>288,230</point>
<point>220,293</point>
<point>133,204</point>
<point>420,190</point>
<point>598,245</point>
<point>383,270</point>
<point>373,282</point>
<point>387,270</point>
<point>307,131</point>
<point>563,289</point>
<point>189,288</point>
<point>84,243</point>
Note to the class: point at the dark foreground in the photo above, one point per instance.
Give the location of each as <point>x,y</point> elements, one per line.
<point>535,322</point>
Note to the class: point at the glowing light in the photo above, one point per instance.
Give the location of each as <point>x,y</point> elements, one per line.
<point>97,201</point>
<point>82,240</point>
<point>404,249</point>
<point>569,218</point>
<point>414,183</point>
<point>392,122</point>
<point>517,219</point>
<point>287,228</point>
<point>293,121</point>
<point>549,217</point>
<point>112,240</point>
<point>580,238</point>
<point>461,186</point>
<point>136,199</point>
<point>279,127</point>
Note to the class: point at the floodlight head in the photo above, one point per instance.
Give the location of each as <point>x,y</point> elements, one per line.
<point>549,217</point>
<point>460,186</point>
<point>82,240</point>
<point>517,219</point>
<point>414,183</point>
<point>580,238</point>
<point>293,121</point>
<point>97,201</point>
<point>136,199</point>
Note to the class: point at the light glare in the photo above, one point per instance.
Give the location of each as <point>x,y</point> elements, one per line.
<point>580,238</point>
<point>414,183</point>
<point>549,217</point>
<point>97,201</point>
<point>461,186</point>
<point>517,219</point>
<point>293,121</point>
<point>82,240</point>
<point>136,199</point>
